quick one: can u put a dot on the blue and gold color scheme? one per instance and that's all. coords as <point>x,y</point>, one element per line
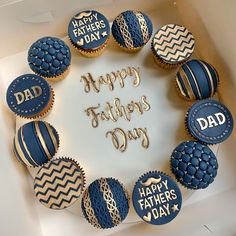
<point>89,32</point>
<point>156,198</point>
<point>194,165</point>
<point>105,203</point>
<point>197,80</point>
<point>35,143</point>
<point>172,45</point>
<point>209,121</point>
<point>59,183</point>
<point>30,96</point>
<point>132,29</point>
<point>49,57</point>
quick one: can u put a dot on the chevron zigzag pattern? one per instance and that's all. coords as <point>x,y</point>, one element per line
<point>173,43</point>
<point>59,184</point>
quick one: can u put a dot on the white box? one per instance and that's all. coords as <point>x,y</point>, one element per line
<point>209,211</point>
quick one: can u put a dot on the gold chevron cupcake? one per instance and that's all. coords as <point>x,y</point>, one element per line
<point>172,45</point>
<point>59,183</point>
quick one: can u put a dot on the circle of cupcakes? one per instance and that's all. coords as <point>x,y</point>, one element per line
<point>194,165</point>
<point>105,203</point>
<point>209,121</point>
<point>132,30</point>
<point>156,198</point>
<point>50,58</point>
<point>35,143</point>
<point>196,80</point>
<point>89,32</point>
<point>30,96</point>
<point>59,183</point>
<point>172,45</point>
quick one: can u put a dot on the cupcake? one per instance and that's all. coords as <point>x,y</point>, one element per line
<point>194,165</point>
<point>172,45</point>
<point>30,96</point>
<point>132,30</point>
<point>105,203</point>
<point>89,32</point>
<point>59,183</point>
<point>35,143</point>
<point>156,198</point>
<point>197,80</point>
<point>209,121</point>
<point>50,58</point>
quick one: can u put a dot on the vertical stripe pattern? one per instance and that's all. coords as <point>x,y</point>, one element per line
<point>197,80</point>
<point>35,143</point>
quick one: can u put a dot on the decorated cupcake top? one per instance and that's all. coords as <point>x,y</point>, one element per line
<point>59,183</point>
<point>209,121</point>
<point>132,29</point>
<point>35,143</point>
<point>28,95</point>
<point>173,43</point>
<point>156,198</point>
<point>197,80</point>
<point>89,30</point>
<point>49,57</point>
<point>194,165</point>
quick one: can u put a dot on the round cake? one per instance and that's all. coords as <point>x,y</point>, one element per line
<point>209,121</point>
<point>50,58</point>
<point>59,183</point>
<point>194,165</point>
<point>156,198</point>
<point>105,203</point>
<point>35,143</point>
<point>132,30</point>
<point>172,45</point>
<point>197,80</point>
<point>89,32</point>
<point>30,96</point>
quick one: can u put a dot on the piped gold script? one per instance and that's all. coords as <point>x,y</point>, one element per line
<point>120,138</point>
<point>117,110</point>
<point>110,78</point>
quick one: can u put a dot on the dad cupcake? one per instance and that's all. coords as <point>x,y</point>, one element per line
<point>30,96</point>
<point>132,30</point>
<point>50,58</point>
<point>89,32</point>
<point>172,45</point>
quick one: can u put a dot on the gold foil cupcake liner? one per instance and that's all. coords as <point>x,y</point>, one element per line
<point>57,78</point>
<point>45,111</point>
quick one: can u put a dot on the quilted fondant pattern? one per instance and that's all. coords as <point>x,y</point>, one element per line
<point>49,57</point>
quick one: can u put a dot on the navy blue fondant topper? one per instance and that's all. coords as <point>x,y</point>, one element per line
<point>89,30</point>
<point>156,198</point>
<point>28,95</point>
<point>209,121</point>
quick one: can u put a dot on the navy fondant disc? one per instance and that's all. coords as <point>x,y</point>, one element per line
<point>88,30</point>
<point>28,95</point>
<point>156,198</point>
<point>209,121</point>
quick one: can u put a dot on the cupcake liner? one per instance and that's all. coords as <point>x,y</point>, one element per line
<point>92,53</point>
<point>45,111</point>
<point>129,50</point>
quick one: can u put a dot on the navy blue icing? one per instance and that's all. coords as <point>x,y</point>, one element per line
<point>99,203</point>
<point>49,57</point>
<point>88,30</point>
<point>156,198</point>
<point>22,99</point>
<point>194,165</point>
<point>30,148</point>
<point>200,75</point>
<point>133,27</point>
<point>209,121</point>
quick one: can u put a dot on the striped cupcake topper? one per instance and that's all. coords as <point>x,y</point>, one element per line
<point>59,183</point>
<point>173,43</point>
<point>197,80</point>
<point>35,143</point>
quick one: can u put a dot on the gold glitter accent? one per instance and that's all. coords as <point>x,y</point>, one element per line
<point>143,26</point>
